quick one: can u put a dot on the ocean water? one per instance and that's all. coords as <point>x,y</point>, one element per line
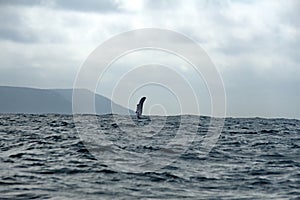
<point>177,157</point>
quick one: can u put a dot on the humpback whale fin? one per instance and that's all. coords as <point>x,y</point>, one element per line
<point>139,108</point>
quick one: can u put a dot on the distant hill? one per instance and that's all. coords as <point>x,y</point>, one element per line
<point>41,101</point>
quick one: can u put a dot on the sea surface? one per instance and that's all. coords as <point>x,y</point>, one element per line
<point>176,157</point>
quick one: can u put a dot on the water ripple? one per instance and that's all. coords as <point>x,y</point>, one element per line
<point>43,157</point>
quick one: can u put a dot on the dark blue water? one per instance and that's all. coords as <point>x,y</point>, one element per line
<point>45,157</point>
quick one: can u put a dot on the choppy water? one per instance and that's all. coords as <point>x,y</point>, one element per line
<point>44,157</point>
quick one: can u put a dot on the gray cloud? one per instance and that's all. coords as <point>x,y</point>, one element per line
<point>255,44</point>
<point>16,35</point>
<point>21,2</point>
<point>161,5</point>
<point>88,6</point>
<point>251,94</point>
<point>75,5</point>
<point>14,28</point>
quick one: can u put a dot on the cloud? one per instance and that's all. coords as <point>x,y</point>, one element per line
<point>20,2</point>
<point>254,44</point>
<point>74,5</point>
<point>90,6</point>
<point>12,26</point>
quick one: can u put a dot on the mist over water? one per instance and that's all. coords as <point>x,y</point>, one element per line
<point>44,157</point>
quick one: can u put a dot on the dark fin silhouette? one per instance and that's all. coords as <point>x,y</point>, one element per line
<point>139,108</point>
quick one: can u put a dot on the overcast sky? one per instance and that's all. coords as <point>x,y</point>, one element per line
<point>255,46</point>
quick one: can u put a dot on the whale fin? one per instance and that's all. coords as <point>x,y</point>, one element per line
<point>139,108</point>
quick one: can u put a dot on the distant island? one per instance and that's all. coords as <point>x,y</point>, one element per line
<point>59,101</point>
